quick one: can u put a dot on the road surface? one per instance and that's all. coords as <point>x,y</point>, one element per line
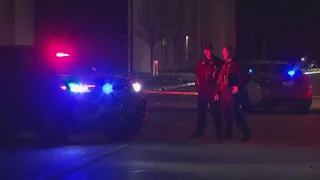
<point>284,146</point>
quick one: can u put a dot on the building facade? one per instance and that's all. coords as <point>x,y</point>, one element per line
<point>205,21</point>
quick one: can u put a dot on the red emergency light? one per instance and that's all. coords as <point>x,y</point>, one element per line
<point>61,54</point>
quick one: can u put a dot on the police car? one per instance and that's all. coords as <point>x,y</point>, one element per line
<point>90,98</point>
<point>278,84</point>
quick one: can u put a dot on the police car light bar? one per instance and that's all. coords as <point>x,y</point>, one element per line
<point>61,54</point>
<point>291,73</point>
<point>77,88</point>
<point>107,88</point>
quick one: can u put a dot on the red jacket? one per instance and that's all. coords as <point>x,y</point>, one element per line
<point>207,72</point>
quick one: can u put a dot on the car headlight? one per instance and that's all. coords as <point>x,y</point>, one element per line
<point>136,86</point>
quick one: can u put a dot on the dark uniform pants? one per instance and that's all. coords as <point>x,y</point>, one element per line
<point>215,109</point>
<point>230,108</point>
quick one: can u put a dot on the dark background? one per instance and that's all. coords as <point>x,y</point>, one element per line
<point>290,28</point>
<point>95,31</point>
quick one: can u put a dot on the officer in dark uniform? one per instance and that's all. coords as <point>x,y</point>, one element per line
<point>229,82</point>
<point>207,71</point>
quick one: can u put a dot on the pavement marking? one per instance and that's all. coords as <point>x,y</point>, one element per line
<point>76,168</point>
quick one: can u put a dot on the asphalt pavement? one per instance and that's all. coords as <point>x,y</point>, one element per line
<point>284,146</point>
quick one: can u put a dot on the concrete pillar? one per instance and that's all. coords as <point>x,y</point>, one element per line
<point>212,21</point>
<point>16,22</point>
<point>220,23</point>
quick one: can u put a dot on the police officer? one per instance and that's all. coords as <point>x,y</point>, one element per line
<point>207,71</point>
<point>229,82</point>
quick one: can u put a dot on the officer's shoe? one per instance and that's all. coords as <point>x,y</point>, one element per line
<point>196,135</point>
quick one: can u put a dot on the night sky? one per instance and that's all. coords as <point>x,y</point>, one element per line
<point>291,29</point>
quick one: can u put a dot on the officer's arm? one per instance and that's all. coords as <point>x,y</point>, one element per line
<point>216,78</point>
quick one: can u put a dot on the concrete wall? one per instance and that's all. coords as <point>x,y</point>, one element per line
<point>218,24</point>
<point>141,55</point>
<point>16,22</point>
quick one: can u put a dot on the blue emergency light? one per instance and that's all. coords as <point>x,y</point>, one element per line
<point>250,71</point>
<point>107,88</point>
<point>291,73</point>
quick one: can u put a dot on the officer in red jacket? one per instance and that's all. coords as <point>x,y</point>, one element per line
<point>207,71</point>
<point>229,82</point>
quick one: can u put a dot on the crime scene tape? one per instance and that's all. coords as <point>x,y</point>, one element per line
<point>170,92</point>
